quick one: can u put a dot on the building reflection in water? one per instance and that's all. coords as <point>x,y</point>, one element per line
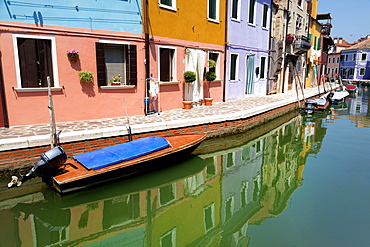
<point>208,200</point>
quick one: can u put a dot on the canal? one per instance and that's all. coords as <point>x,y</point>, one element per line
<point>303,183</point>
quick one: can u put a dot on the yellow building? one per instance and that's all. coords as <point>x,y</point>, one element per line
<point>314,53</point>
<point>184,36</point>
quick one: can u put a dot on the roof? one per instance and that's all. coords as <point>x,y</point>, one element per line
<point>323,17</point>
<point>361,45</point>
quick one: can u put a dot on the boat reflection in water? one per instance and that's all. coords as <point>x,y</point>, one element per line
<point>209,200</point>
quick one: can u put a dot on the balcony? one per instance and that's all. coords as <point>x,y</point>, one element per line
<point>301,44</point>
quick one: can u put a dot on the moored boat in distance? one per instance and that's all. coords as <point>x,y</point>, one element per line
<point>111,163</point>
<point>315,105</point>
<point>338,96</point>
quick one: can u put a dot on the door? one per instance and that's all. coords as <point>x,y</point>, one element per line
<point>195,61</point>
<point>249,81</point>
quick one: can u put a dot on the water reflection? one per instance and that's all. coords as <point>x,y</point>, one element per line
<point>209,200</point>
<point>356,107</point>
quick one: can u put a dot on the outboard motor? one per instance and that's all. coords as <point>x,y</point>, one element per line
<point>45,167</point>
<point>330,96</point>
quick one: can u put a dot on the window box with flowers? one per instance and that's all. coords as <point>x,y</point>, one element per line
<point>115,80</point>
<point>290,38</point>
<point>73,55</point>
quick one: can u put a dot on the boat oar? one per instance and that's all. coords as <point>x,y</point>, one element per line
<point>128,122</point>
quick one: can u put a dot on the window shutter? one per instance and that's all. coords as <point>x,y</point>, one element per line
<point>45,61</point>
<point>100,64</point>
<point>28,62</point>
<point>131,67</point>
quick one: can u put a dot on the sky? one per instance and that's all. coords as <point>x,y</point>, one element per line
<point>350,18</point>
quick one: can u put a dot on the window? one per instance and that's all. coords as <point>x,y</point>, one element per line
<point>35,61</point>
<point>213,6</point>
<point>346,59</point>
<point>363,57</point>
<point>299,3</point>
<point>209,217</point>
<point>354,57</point>
<point>166,64</point>
<point>362,71</point>
<point>168,4</point>
<point>168,239</point>
<point>116,59</point>
<point>215,57</point>
<point>244,194</point>
<point>265,15</point>
<point>167,194</point>
<point>229,208</point>
<point>252,9</point>
<point>299,22</point>
<point>235,9</point>
<point>262,67</point>
<point>234,67</point>
<point>341,58</point>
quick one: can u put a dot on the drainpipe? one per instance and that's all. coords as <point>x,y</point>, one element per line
<point>147,57</point>
<point>285,57</point>
<point>269,56</point>
<point>225,53</point>
<point>2,97</point>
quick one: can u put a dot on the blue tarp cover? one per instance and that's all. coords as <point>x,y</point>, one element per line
<point>126,151</point>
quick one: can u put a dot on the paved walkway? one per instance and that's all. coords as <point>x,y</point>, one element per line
<point>37,135</point>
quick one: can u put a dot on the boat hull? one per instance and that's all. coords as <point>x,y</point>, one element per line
<point>315,106</point>
<point>77,177</point>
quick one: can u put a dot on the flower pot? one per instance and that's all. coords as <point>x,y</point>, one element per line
<point>187,105</point>
<point>208,101</point>
<point>115,83</point>
<point>73,59</point>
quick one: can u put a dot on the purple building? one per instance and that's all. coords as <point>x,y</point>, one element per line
<point>247,48</point>
<point>355,61</point>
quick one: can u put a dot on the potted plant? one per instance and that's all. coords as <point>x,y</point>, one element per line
<point>210,76</point>
<point>189,77</point>
<point>72,55</point>
<point>115,80</point>
<point>86,76</point>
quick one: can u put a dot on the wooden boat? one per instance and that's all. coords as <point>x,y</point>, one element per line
<point>103,165</point>
<point>315,105</point>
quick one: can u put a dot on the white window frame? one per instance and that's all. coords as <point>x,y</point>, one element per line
<point>237,12</point>
<point>53,56</point>
<point>171,232</point>
<point>236,67</point>
<point>174,75</point>
<point>217,11</point>
<point>173,186</point>
<point>362,71</point>
<point>300,6</point>
<point>265,65</point>
<point>212,208</point>
<point>267,16</point>
<point>173,7</point>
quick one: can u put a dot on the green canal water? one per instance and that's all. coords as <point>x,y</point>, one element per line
<point>304,183</point>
